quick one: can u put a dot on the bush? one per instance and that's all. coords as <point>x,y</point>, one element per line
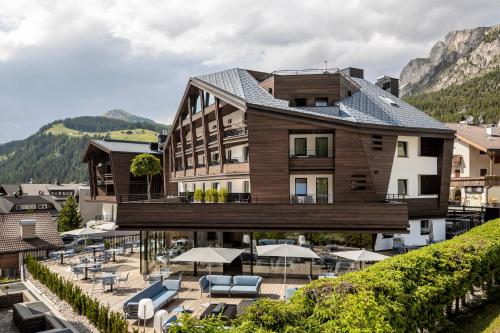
<point>406,293</point>
<point>223,195</point>
<point>211,195</point>
<point>199,195</point>
<point>99,315</point>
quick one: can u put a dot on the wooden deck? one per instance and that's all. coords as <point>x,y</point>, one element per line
<point>189,296</point>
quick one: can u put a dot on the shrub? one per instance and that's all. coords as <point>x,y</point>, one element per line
<point>211,195</point>
<point>223,195</point>
<point>406,293</point>
<point>199,195</point>
<point>99,315</point>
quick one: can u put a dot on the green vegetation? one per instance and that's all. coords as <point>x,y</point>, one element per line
<point>211,195</point>
<point>223,195</point>
<point>477,97</point>
<point>484,318</point>
<point>69,217</point>
<point>100,316</point>
<point>199,195</point>
<point>146,165</point>
<point>54,152</point>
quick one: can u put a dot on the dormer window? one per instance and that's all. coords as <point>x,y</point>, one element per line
<point>301,101</point>
<point>321,102</point>
<point>270,90</point>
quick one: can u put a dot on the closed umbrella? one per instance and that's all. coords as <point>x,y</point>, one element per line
<point>209,255</point>
<point>286,251</point>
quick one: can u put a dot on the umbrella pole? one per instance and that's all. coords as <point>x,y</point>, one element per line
<point>209,284</point>
<point>284,293</point>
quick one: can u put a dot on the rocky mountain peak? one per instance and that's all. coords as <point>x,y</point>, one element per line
<point>462,55</point>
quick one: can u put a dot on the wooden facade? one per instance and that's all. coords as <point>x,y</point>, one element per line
<point>360,165</point>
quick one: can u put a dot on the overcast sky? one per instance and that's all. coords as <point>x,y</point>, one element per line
<point>65,58</point>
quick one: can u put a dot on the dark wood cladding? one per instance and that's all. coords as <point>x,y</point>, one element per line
<point>306,164</point>
<point>120,164</point>
<point>425,208</point>
<point>375,217</point>
<point>444,172</point>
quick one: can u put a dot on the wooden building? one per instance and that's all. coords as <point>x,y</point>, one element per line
<point>298,151</point>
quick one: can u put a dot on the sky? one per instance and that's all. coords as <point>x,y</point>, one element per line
<point>67,58</point>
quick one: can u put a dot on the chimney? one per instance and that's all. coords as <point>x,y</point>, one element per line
<point>353,72</point>
<point>389,84</point>
<point>28,229</point>
<point>492,130</point>
<point>153,146</point>
<point>162,137</point>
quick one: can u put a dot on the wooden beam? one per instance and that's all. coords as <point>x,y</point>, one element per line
<point>193,135</point>
<point>220,128</point>
<point>172,147</point>
<point>183,147</point>
<point>204,124</point>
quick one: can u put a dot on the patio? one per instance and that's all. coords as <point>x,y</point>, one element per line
<point>189,295</point>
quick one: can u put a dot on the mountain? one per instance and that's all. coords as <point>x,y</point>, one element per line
<point>126,116</point>
<point>54,152</point>
<point>463,55</point>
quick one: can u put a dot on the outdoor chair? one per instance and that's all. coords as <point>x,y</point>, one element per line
<point>123,279</point>
<point>107,281</point>
<point>77,271</point>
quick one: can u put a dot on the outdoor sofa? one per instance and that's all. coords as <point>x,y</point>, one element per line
<point>225,284</point>
<point>161,292</point>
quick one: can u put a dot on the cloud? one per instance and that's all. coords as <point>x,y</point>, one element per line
<point>63,58</point>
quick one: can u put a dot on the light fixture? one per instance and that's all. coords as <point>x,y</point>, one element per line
<point>246,239</point>
<point>145,311</point>
<point>302,239</point>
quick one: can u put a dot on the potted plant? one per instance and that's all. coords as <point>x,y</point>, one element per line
<point>211,196</point>
<point>223,195</point>
<point>199,195</point>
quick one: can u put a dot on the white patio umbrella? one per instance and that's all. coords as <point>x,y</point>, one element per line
<point>85,232</point>
<point>209,255</point>
<point>360,255</point>
<point>286,250</point>
<point>107,226</point>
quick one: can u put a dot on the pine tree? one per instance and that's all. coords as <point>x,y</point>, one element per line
<point>69,218</point>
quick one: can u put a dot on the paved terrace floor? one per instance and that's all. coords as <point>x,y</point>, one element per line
<point>189,296</point>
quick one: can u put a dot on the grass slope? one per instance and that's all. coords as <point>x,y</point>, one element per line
<point>138,134</point>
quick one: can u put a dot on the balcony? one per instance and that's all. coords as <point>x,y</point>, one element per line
<point>312,160</point>
<point>237,131</point>
<point>311,199</point>
<point>475,181</point>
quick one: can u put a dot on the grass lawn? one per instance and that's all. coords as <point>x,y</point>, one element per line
<point>483,319</point>
<point>138,134</point>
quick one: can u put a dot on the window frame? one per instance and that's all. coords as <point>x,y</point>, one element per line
<point>427,230</point>
<point>316,143</point>
<point>405,181</point>
<point>295,151</point>
<point>405,145</point>
<point>319,100</point>
<point>295,188</point>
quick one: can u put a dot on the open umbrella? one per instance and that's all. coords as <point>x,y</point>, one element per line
<point>209,255</point>
<point>360,255</point>
<point>85,232</point>
<point>286,251</point>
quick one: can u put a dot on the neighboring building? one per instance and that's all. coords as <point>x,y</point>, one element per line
<point>89,209</point>
<point>110,178</point>
<point>22,234</point>
<point>26,203</point>
<point>299,152</point>
<point>475,165</point>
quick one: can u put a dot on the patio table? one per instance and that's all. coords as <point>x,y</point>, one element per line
<point>114,251</point>
<point>227,313</point>
<point>86,270</point>
<point>109,275</point>
<point>61,254</point>
<point>94,249</point>
<point>162,274</point>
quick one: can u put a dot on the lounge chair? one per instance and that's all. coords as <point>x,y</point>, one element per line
<point>160,292</point>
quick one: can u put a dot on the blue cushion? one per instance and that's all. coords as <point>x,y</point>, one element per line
<point>246,280</point>
<point>172,284</point>
<point>220,289</point>
<point>220,280</point>
<point>244,290</point>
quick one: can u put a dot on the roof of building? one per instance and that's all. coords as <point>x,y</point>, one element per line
<point>26,199</point>
<point>369,105</point>
<point>476,135</point>
<point>126,146</point>
<point>10,233</point>
<point>10,188</point>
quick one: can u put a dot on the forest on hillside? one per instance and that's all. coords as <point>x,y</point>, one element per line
<point>479,97</point>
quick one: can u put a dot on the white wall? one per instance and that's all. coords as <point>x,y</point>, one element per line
<point>473,160</point>
<point>311,184</point>
<point>411,168</point>
<point>414,237</point>
<point>109,209</point>
<point>461,148</point>
<point>237,184</point>
<point>311,142</point>
<point>493,194</point>
<point>237,152</point>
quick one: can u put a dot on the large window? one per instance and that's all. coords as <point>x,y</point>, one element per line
<point>321,147</point>
<point>429,184</point>
<point>321,101</point>
<point>322,190</point>
<point>300,101</point>
<point>301,186</point>
<point>208,99</point>
<point>246,186</point>
<point>402,149</point>
<point>230,187</point>
<point>403,186</point>
<point>300,147</point>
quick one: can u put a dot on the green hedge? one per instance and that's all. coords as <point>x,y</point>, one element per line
<point>99,315</point>
<point>406,293</point>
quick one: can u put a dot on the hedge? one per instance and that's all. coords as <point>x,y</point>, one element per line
<point>412,292</point>
<point>99,315</point>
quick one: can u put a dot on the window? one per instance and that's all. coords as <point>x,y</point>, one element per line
<point>229,154</point>
<point>214,126</point>
<point>300,186</point>
<point>482,152</point>
<point>270,90</point>
<point>403,186</point>
<point>483,172</point>
<point>209,99</point>
<point>457,173</point>
<point>321,147</point>
<point>215,186</point>
<point>203,187</point>
<point>402,149</point>
<point>321,101</point>
<point>301,101</point>
<point>322,190</point>
<point>246,186</point>
<point>385,236</point>
<point>195,104</point>
<point>425,227</point>
<point>229,121</point>
<point>429,184</point>
<point>42,206</point>
<point>194,187</point>
<point>300,147</point>
<point>230,187</point>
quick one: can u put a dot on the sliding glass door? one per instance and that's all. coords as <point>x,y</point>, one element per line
<point>322,190</point>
